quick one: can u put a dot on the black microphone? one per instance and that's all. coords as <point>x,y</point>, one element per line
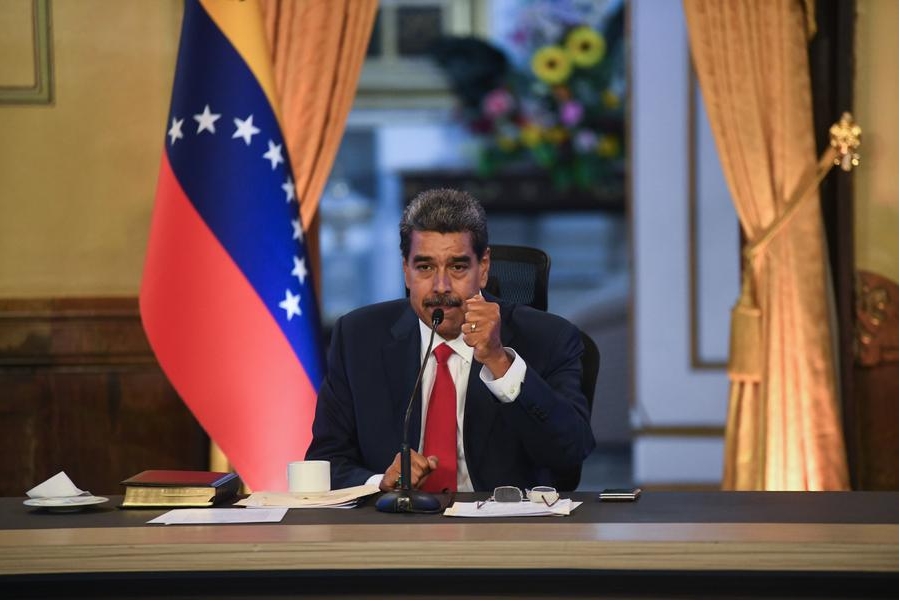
<point>406,500</point>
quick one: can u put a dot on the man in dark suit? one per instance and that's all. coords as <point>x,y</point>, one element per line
<point>520,412</point>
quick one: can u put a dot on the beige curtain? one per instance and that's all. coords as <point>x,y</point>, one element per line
<point>784,428</point>
<point>318,48</point>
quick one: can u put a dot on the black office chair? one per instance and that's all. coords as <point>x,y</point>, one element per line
<point>522,274</point>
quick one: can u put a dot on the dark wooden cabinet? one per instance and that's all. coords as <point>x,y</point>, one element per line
<point>81,392</point>
<point>875,376</point>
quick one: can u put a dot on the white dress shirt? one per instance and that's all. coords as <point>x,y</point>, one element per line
<point>506,389</point>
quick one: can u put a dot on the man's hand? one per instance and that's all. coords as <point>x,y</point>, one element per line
<point>481,331</point>
<point>419,468</point>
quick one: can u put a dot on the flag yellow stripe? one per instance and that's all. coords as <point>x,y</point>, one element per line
<point>242,24</point>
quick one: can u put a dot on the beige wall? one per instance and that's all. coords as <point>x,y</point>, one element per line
<point>77,177</point>
<point>876,109</point>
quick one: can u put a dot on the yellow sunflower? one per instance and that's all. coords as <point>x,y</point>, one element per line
<point>551,64</point>
<point>531,135</point>
<point>585,46</point>
<point>608,146</point>
<point>506,143</point>
<point>556,135</point>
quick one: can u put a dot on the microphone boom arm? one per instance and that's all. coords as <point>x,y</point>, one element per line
<point>406,500</point>
<point>405,468</point>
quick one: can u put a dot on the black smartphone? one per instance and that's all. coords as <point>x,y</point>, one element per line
<point>619,494</point>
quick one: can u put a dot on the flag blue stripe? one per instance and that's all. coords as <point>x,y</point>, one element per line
<point>233,187</point>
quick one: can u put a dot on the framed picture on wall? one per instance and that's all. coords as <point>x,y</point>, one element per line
<point>26,76</point>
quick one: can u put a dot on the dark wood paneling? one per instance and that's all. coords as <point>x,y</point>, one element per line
<point>80,391</point>
<point>876,383</point>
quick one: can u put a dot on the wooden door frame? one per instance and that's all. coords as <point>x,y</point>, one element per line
<point>832,69</point>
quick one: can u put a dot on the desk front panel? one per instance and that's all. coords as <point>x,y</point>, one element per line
<point>777,532</point>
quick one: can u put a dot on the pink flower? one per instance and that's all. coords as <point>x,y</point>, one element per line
<point>570,112</point>
<point>497,103</point>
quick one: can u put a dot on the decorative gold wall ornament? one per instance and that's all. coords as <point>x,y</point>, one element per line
<point>845,135</point>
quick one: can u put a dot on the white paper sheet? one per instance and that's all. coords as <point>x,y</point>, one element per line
<point>220,515</point>
<point>492,509</point>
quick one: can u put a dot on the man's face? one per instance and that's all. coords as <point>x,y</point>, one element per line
<point>442,271</point>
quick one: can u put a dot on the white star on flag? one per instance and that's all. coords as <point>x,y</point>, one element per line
<point>298,231</point>
<point>291,304</point>
<point>175,130</point>
<point>274,154</point>
<point>206,121</point>
<point>289,191</point>
<point>245,129</point>
<point>299,269</point>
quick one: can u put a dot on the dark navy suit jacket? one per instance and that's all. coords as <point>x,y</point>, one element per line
<point>373,360</point>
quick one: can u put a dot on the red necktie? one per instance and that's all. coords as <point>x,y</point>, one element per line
<point>440,425</point>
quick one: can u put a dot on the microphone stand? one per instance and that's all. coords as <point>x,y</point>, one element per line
<point>405,499</point>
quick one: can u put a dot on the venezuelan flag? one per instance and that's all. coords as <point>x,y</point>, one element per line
<point>226,296</point>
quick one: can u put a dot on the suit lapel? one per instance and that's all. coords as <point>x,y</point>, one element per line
<point>481,411</point>
<point>400,361</point>
<point>482,408</point>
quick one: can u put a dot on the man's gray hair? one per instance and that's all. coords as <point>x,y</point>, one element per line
<point>445,211</point>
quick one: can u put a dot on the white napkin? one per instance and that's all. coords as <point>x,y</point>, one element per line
<point>58,486</point>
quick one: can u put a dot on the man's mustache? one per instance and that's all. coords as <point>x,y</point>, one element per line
<point>443,300</point>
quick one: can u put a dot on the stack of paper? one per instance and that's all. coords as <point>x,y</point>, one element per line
<point>344,497</point>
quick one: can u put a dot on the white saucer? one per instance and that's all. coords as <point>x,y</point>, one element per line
<point>65,503</point>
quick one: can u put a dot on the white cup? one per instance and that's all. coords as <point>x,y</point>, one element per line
<point>309,476</point>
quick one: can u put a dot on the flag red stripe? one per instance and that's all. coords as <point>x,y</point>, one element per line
<point>204,320</point>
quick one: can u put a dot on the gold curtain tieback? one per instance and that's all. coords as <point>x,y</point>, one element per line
<point>745,346</point>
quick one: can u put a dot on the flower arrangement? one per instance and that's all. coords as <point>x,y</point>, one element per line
<point>553,98</point>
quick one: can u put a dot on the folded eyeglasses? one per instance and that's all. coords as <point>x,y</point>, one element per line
<point>514,494</point>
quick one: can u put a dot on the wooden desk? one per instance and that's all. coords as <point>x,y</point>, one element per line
<point>833,543</point>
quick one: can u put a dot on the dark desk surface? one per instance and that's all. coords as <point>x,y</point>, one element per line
<point>781,544</point>
<point>651,507</point>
